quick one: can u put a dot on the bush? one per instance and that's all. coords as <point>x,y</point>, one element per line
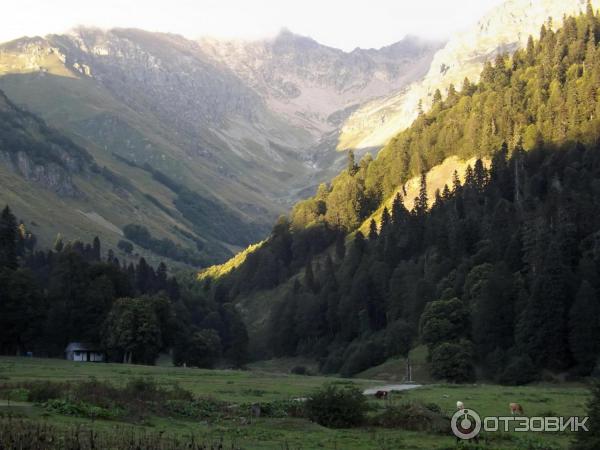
<point>300,370</point>
<point>337,406</point>
<point>520,370</point>
<point>413,416</point>
<point>81,409</point>
<point>42,392</point>
<point>453,362</point>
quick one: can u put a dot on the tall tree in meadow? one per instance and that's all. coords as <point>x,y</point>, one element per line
<point>133,330</point>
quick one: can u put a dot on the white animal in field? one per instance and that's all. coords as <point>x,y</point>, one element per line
<point>460,405</point>
<point>516,408</point>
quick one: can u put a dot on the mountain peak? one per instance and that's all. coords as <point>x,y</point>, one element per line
<point>285,37</point>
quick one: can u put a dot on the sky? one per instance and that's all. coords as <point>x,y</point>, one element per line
<point>344,24</point>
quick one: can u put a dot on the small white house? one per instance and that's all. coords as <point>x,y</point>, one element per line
<point>83,351</point>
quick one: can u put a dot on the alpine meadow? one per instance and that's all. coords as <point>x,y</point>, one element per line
<point>216,241</point>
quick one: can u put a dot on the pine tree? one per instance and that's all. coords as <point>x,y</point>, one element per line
<point>373,235</point>
<point>8,239</point>
<point>456,184</point>
<point>399,212</point>
<point>421,202</point>
<point>542,328</point>
<point>58,243</point>
<point>96,252</point>
<point>309,278</point>
<point>584,328</point>
<point>340,246</point>
<point>351,165</point>
<point>386,220</point>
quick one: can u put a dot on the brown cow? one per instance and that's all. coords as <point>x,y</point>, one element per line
<point>515,408</point>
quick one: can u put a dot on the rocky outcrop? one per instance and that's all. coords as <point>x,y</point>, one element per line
<point>503,29</point>
<point>50,175</point>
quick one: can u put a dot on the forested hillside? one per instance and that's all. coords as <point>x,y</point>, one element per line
<point>498,272</point>
<point>133,312</point>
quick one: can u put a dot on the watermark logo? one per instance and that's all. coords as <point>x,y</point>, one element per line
<point>467,424</point>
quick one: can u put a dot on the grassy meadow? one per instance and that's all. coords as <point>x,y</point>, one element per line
<point>236,390</point>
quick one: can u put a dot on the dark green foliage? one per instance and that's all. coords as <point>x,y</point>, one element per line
<point>541,331</point>
<point>72,294</point>
<point>299,370</point>
<point>126,246</point>
<point>163,247</point>
<point>21,131</point>
<point>208,215</point>
<point>201,349</point>
<point>443,321</point>
<point>584,327</point>
<point>453,362</point>
<point>337,406</point>
<point>133,329</point>
<point>399,337</point>
<point>8,239</point>
<point>590,440</point>
<point>520,370</point>
<point>361,356</point>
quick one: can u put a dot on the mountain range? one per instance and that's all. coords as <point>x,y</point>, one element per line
<point>205,132</point>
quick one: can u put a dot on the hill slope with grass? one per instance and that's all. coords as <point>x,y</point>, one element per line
<point>208,160</point>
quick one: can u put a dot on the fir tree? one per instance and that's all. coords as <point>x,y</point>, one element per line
<point>8,239</point>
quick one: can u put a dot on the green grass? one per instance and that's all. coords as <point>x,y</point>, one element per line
<point>261,385</point>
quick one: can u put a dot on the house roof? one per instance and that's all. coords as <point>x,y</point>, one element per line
<point>81,346</point>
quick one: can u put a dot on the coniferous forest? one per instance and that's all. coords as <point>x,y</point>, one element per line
<point>497,275</point>
<point>134,312</point>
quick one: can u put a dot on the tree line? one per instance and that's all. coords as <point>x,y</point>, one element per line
<point>133,311</point>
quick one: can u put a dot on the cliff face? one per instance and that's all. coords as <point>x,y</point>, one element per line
<point>503,29</point>
<point>313,85</point>
<point>34,151</point>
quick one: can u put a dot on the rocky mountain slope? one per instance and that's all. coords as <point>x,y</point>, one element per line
<point>235,125</point>
<point>315,86</point>
<point>503,29</point>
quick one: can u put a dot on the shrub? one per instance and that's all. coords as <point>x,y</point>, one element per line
<point>81,409</point>
<point>337,406</point>
<point>413,416</point>
<point>300,370</point>
<point>42,392</point>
